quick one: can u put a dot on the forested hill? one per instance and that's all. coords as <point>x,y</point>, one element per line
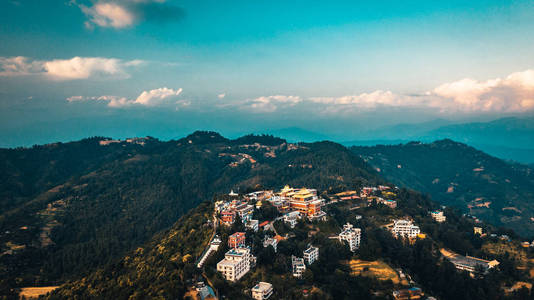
<point>453,173</point>
<point>69,208</point>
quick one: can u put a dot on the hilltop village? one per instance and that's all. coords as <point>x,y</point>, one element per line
<point>293,226</point>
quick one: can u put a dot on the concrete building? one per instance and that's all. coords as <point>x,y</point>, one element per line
<point>237,240</point>
<point>253,225</point>
<point>438,216</point>
<point>311,254</point>
<point>262,291</point>
<point>270,242</point>
<point>236,264</point>
<point>244,211</point>
<point>351,235</point>
<point>228,217</point>
<point>469,263</point>
<point>291,218</point>
<point>298,266</point>
<point>405,228</point>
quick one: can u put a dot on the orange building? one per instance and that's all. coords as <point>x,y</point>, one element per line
<point>306,202</point>
<point>228,217</point>
<point>236,240</point>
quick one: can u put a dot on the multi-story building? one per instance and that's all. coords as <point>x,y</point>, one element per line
<point>311,254</point>
<point>228,217</point>
<point>298,266</point>
<point>245,212</point>
<point>262,291</point>
<point>236,264</point>
<point>438,216</point>
<point>351,235</point>
<point>236,240</point>
<point>270,242</point>
<point>253,225</point>
<point>307,203</point>
<point>291,218</point>
<point>405,228</point>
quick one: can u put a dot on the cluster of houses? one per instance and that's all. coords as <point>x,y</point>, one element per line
<point>230,210</point>
<point>294,203</point>
<point>377,194</point>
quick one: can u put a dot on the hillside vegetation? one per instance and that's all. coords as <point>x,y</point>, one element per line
<point>455,174</point>
<point>70,208</point>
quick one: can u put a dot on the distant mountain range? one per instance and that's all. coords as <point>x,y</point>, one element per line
<point>459,175</point>
<point>507,138</point>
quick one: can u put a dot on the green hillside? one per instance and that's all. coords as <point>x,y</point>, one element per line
<point>455,174</point>
<point>81,205</point>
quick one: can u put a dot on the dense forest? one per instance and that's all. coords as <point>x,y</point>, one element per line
<point>68,209</point>
<point>496,191</point>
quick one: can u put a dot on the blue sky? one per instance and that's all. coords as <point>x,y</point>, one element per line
<point>174,66</point>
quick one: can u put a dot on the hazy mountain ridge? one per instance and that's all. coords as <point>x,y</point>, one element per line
<point>456,174</point>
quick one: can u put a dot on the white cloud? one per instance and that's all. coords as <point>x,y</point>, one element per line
<point>120,14</point>
<point>108,14</point>
<point>75,98</point>
<point>67,69</point>
<point>268,104</point>
<point>19,66</point>
<point>367,100</point>
<point>156,97</point>
<point>515,93</point>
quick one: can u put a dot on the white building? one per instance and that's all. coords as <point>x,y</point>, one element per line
<point>298,266</point>
<point>270,242</point>
<point>253,225</point>
<point>236,264</point>
<point>291,218</point>
<point>351,235</point>
<point>262,291</point>
<point>311,254</point>
<point>438,216</point>
<point>405,228</point>
<point>245,212</point>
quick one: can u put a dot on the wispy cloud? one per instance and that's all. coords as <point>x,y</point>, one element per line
<point>152,98</point>
<point>67,69</point>
<point>121,14</point>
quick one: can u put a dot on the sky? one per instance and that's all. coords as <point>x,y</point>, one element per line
<point>76,68</point>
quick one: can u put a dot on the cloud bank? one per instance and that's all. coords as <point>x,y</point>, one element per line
<point>119,14</point>
<point>512,94</point>
<point>152,98</point>
<point>67,69</point>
